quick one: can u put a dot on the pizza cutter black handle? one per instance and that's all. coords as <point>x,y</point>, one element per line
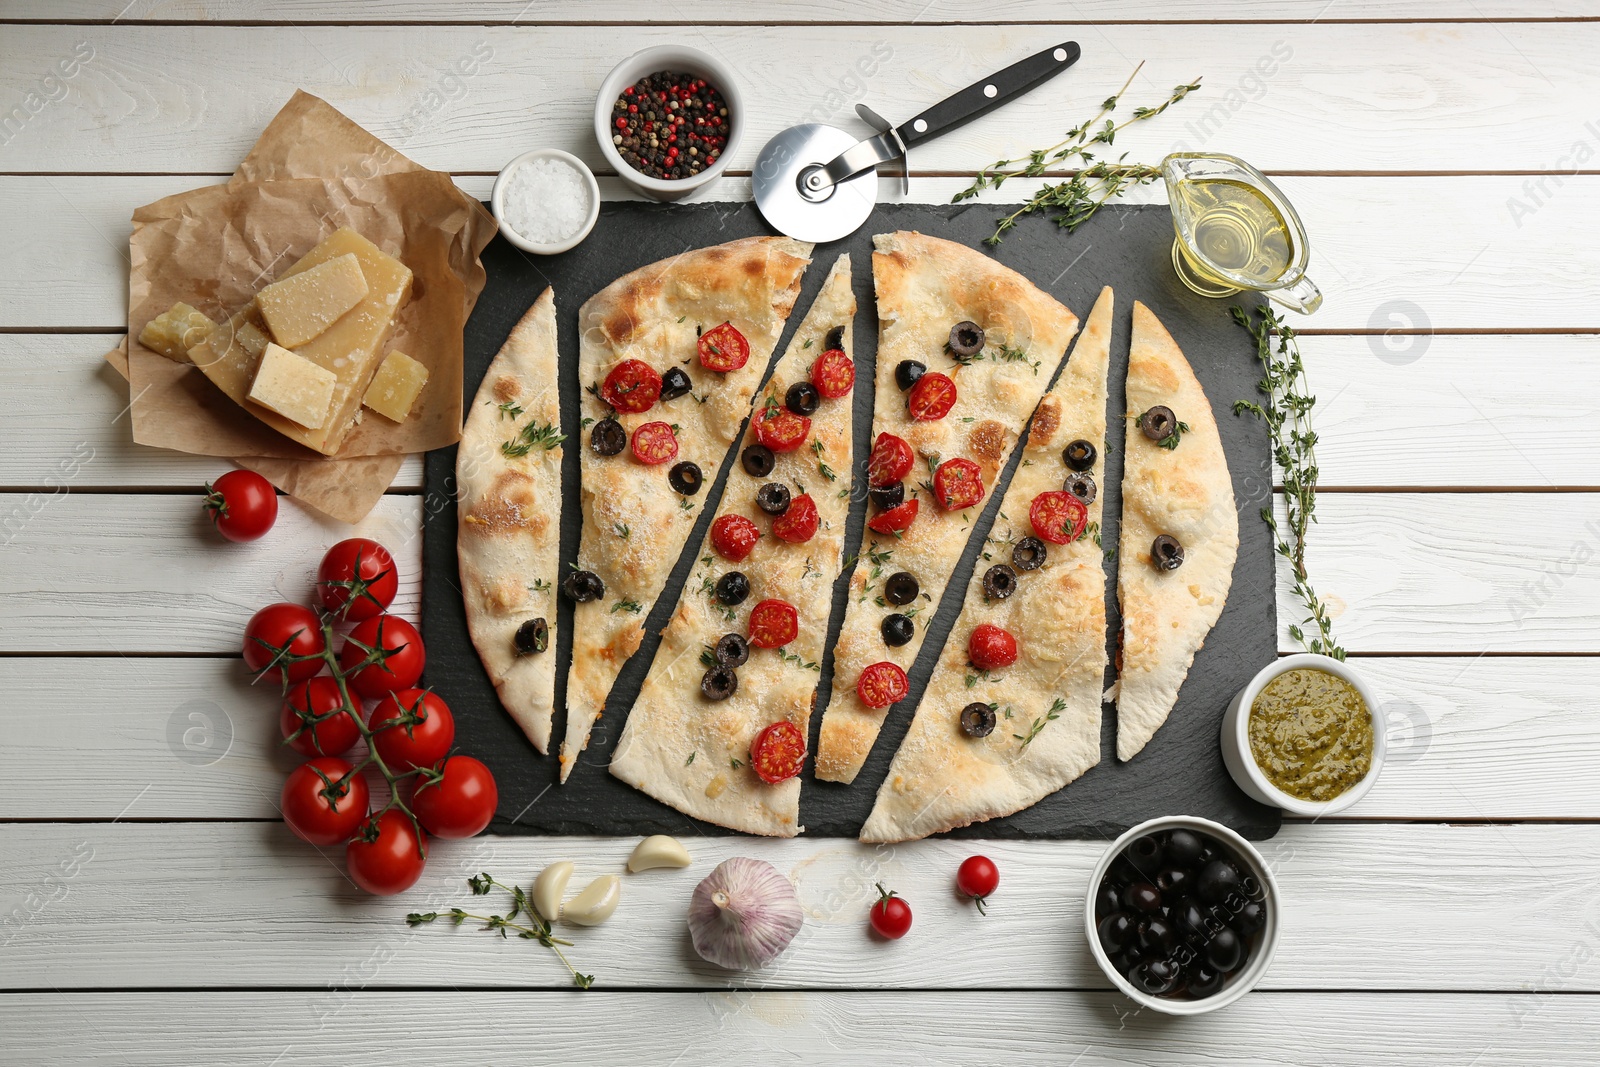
<point>984,96</point>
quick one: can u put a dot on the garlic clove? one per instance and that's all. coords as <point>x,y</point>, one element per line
<point>743,914</point>
<point>549,888</point>
<point>658,850</point>
<point>595,904</point>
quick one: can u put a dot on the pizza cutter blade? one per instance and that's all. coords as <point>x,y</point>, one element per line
<point>819,183</point>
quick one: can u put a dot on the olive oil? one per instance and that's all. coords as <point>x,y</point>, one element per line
<point>1237,235</point>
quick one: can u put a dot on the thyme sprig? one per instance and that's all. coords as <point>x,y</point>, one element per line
<point>533,928</point>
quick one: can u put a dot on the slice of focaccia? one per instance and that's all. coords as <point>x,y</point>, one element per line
<point>669,358</point>
<point>987,742</point>
<point>1180,531</point>
<point>965,350</point>
<point>719,729</point>
<point>508,477</point>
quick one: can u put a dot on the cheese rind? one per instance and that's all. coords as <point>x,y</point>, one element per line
<point>293,386</point>
<point>396,386</point>
<point>176,330</point>
<point>301,307</point>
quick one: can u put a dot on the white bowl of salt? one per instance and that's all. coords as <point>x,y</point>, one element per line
<point>546,201</point>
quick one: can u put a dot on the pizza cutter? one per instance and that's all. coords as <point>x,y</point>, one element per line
<point>819,183</point>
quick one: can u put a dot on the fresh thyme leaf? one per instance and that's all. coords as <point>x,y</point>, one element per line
<point>622,530</point>
<point>510,409</point>
<point>1170,441</point>
<point>1040,723</point>
<point>541,586</point>
<point>685,504</point>
<point>690,760</point>
<point>625,604</point>
<point>789,657</point>
<point>534,929</point>
<point>534,435</point>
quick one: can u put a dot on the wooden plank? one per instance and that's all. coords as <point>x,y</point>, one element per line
<point>1366,907</point>
<point>83,572</point>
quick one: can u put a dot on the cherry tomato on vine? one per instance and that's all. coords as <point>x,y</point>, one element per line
<point>386,857</point>
<point>891,916</point>
<point>412,728</point>
<point>357,579</point>
<point>403,656</point>
<point>277,632</point>
<point>460,803</point>
<point>977,877</point>
<point>321,805</point>
<point>242,505</point>
<point>330,737</point>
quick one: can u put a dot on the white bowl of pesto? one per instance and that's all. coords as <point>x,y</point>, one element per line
<point>1295,738</point>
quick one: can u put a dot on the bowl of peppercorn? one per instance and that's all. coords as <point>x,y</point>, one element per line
<point>668,119</point>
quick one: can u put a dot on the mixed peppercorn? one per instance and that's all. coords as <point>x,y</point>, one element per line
<point>670,125</point>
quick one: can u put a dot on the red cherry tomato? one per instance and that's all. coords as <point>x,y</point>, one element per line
<point>958,484</point>
<point>654,443</point>
<point>781,429</point>
<point>798,524</point>
<point>387,856</point>
<point>897,519</point>
<point>459,804</point>
<point>977,877</point>
<point>778,752</point>
<point>890,460</point>
<point>242,505</point>
<point>357,579</point>
<point>891,916</point>
<point>632,386</point>
<point>412,728</point>
<point>734,536</point>
<point>882,684</point>
<point>991,647</point>
<point>723,348</point>
<point>1058,517</point>
<point>402,662</point>
<point>321,805</point>
<point>773,624</point>
<point>330,737</point>
<point>932,397</point>
<point>833,374</point>
<point>277,632</point>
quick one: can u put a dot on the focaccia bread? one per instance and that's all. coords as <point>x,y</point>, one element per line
<point>925,288</point>
<point>508,479</point>
<point>984,743</point>
<point>685,742</point>
<point>674,317</point>
<point>1176,487</point>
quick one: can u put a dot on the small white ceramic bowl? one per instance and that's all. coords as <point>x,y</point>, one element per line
<point>1266,942</point>
<point>675,58</point>
<point>1236,739</point>
<point>497,201</point>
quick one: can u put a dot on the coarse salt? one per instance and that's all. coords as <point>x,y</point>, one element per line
<point>546,201</point>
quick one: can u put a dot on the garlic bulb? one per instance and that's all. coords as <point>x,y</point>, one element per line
<point>743,914</point>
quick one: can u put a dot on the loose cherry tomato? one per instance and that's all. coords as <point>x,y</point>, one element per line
<point>654,443</point>
<point>897,519</point>
<point>778,752</point>
<point>734,536</point>
<point>632,386</point>
<point>242,505</point>
<point>833,374</point>
<point>401,656</point>
<point>386,857</point>
<point>773,624</point>
<point>890,460</point>
<point>991,647</point>
<point>460,803</point>
<point>932,397</point>
<point>882,684</point>
<point>1058,517</point>
<point>357,579</point>
<point>723,348</point>
<point>781,429</point>
<point>277,632</point>
<point>977,877</point>
<point>321,805</point>
<point>412,728</point>
<point>798,524</point>
<point>891,916</point>
<point>330,737</point>
<point>958,484</point>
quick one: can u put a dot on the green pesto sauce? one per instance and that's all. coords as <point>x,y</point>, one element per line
<point>1311,734</point>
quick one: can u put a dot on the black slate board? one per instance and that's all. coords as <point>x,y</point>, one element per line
<point>1180,771</point>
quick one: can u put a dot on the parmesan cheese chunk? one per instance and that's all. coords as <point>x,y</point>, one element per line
<point>176,330</point>
<point>293,386</point>
<point>395,387</point>
<point>301,307</point>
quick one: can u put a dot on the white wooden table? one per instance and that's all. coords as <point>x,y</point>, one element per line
<point>154,910</point>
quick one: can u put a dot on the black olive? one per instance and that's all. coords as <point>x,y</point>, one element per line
<point>1157,935</point>
<point>720,682</point>
<point>907,372</point>
<point>1154,977</point>
<point>685,478</point>
<point>888,496</point>
<point>1225,951</point>
<point>1146,854</point>
<point>674,383</point>
<point>1175,880</point>
<point>1128,959</point>
<point>733,587</point>
<point>977,719</point>
<point>1080,455</point>
<point>966,340</point>
<point>758,461</point>
<point>583,586</point>
<point>901,588</point>
<point>1250,918</point>
<point>1082,486</point>
<point>1166,554</point>
<point>1183,848</point>
<point>1028,554</point>
<point>732,650</point>
<point>999,582</point>
<point>897,630</point>
<point>1192,917</point>
<point>1158,423</point>
<point>531,636</point>
<point>1107,900</point>
<point>608,437</point>
<point>1204,982</point>
<point>1115,931</point>
<point>773,498</point>
<point>1142,896</point>
<point>1217,881</point>
<point>802,398</point>
<point>835,340</point>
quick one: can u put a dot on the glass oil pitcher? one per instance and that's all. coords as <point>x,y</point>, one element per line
<point>1236,230</point>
